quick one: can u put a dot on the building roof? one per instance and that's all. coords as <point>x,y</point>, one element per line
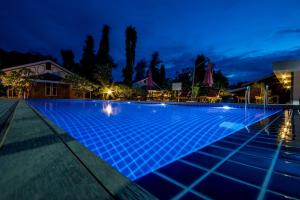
<point>38,63</point>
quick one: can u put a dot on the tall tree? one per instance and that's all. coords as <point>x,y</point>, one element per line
<point>68,60</point>
<point>104,62</point>
<point>199,69</point>
<point>88,58</point>
<point>130,43</point>
<point>162,75</point>
<point>140,70</point>
<point>220,80</point>
<point>154,66</point>
<point>185,77</point>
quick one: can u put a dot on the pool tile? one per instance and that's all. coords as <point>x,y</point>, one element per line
<point>285,184</point>
<point>226,145</point>
<point>257,151</point>
<point>191,196</point>
<point>252,160</point>
<point>181,172</point>
<point>273,196</point>
<point>242,172</point>
<point>201,160</point>
<point>218,187</point>
<point>158,186</point>
<point>289,167</point>
<point>215,151</point>
<point>263,145</point>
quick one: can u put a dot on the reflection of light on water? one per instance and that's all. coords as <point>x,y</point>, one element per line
<point>163,104</point>
<point>225,107</point>
<point>232,125</point>
<point>109,110</point>
<point>128,102</point>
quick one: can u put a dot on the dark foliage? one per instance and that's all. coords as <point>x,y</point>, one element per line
<point>68,61</point>
<point>162,76</point>
<point>87,61</point>
<point>220,81</point>
<point>104,62</point>
<point>185,77</point>
<point>140,70</point>
<point>130,43</point>
<point>155,61</point>
<point>13,58</point>
<point>199,69</point>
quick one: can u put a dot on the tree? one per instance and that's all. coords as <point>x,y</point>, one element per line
<point>199,69</point>
<point>185,77</point>
<point>220,81</point>
<point>19,81</point>
<point>153,66</point>
<point>130,43</point>
<point>88,58</point>
<point>140,70</point>
<point>81,85</point>
<point>104,62</point>
<point>162,75</point>
<point>68,60</point>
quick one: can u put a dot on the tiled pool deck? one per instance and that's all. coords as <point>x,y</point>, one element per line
<point>258,163</point>
<point>40,161</point>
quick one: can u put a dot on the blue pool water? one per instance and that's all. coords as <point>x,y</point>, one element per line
<point>138,138</point>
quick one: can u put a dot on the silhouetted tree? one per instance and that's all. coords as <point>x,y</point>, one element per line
<point>68,60</point>
<point>104,62</point>
<point>140,70</point>
<point>220,81</point>
<point>13,58</point>
<point>155,61</point>
<point>199,69</point>
<point>88,58</point>
<point>162,75</point>
<point>131,38</point>
<point>185,77</point>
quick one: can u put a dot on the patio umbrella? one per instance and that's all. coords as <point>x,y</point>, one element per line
<point>208,78</point>
<point>149,81</point>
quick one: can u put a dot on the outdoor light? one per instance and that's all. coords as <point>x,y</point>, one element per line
<point>109,92</point>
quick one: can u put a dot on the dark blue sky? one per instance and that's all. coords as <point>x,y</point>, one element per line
<point>242,37</point>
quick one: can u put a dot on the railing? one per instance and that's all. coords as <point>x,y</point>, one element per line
<point>247,96</point>
<point>266,99</point>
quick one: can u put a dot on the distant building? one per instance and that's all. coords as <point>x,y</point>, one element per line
<point>48,80</point>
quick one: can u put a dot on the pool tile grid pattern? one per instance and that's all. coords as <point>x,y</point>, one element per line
<point>142,137</point>
<point>250,164</point>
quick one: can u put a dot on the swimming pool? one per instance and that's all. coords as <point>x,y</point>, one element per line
<point>138,138</point>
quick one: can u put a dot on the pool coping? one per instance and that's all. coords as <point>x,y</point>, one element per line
<point>109,180</point>
<point>113,181</point>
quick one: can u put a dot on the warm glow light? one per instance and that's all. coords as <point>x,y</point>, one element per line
<point>109,92</point>
<point>285,81</point>
<point>283,76</point>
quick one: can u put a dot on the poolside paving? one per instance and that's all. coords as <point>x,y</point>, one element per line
<point>261,162</point>
<point>40,161</point>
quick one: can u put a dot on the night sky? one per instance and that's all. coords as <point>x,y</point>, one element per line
<point>242,37</point>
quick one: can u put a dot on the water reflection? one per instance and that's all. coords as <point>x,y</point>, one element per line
<point>286,130</point>
<point>109,110</point>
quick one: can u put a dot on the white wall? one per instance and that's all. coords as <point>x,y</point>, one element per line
<point>296,88</point>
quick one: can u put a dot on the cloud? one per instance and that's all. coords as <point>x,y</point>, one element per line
<point>244,67</point>
<point>289,31</point>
